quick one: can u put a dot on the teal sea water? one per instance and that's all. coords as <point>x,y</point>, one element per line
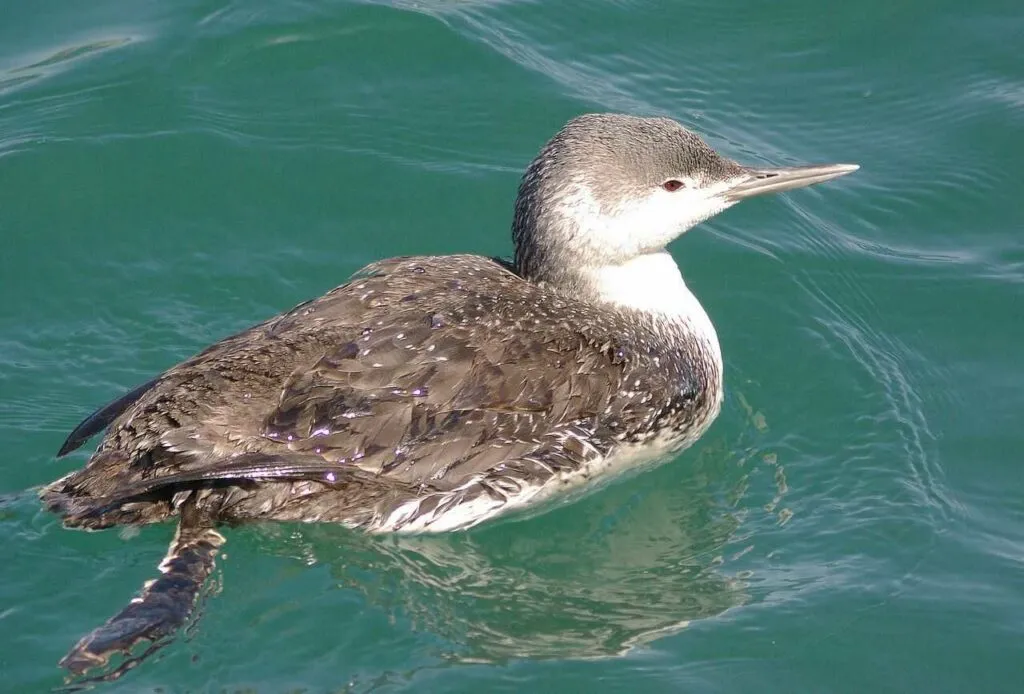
<point>854,520</point>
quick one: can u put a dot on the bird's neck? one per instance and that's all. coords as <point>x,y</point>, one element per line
<point>651,284</point>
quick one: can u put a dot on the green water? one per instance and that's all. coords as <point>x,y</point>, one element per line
<point>171,172</point>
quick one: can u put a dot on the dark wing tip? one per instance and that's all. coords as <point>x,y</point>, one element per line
<point>99,419</point>
<point>73,441</point>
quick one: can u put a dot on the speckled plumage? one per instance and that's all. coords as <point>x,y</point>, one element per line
<point>428,391</point>
<point>433,393</point>
<point>421,377</point>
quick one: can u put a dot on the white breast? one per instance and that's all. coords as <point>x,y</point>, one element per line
<point>652,284</point>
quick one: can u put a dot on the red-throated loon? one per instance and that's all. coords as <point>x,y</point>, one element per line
<point>433,393</point>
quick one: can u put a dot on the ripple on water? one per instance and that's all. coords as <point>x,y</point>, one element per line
<point>648,570</point>
<point>59,60</point>
<point>31,107</point>
<point>363,110</point>
<point>851,323</point>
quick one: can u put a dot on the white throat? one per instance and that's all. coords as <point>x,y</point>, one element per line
<point>650,283</point>
<point>653,284</point>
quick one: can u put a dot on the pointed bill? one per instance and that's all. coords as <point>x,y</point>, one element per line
<point>760,181</point>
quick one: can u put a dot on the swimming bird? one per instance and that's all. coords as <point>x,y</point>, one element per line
<point>430,394</point>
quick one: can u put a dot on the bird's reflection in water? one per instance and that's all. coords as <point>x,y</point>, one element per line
<point>590,579</point>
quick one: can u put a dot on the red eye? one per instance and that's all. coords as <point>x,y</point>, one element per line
<point>672,185</point>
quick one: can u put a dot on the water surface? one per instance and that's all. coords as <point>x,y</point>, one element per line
<point>173,172</point>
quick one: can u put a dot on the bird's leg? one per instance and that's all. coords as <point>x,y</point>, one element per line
<point>163,605</point>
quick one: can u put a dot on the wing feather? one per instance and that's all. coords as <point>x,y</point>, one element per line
<point>408,375</point>
<point>98,420</point>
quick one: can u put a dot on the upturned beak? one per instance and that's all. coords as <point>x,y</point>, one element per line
<point>760,181</point>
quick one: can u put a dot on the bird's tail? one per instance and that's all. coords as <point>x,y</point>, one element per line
<point>161,608</point>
